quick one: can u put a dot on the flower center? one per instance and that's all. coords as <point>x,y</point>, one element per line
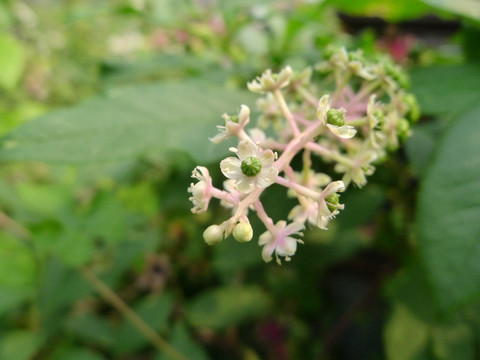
<point>251,166</point>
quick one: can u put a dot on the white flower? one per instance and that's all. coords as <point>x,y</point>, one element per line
<point>307,210</point>
<point>328,204</point>
<point>279,241</point>
<point>251,169</point>
<point>359,167</point>
<point>201,191</point>
<point>233,125</point>
<point>270,82</point>
<point>334,119</point>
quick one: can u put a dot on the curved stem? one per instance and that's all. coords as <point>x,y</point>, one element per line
<point>110,296</point>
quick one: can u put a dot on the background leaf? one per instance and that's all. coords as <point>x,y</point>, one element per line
<point>449,204</point>
<point>127,123</point>
<point>12,61</point>
<point>446,90</point>
<point>223,307</point>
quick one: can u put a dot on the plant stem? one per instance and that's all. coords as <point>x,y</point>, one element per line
<point>286,112</point>
<point>111,297</point>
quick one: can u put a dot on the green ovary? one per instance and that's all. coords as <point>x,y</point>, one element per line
<point>251,166</point>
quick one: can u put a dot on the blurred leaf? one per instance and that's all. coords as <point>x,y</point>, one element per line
<point>470,39</point>
<point>391,10</point>
<point>127,123</point>
<point>72,353</point>
<point>12,61</point>
<point>107,220</point>
<point>181,340</point>
<point>223,307</point>
<point>43,199</point>
<point>60,286</point>
<point>454,341</point>
<point>411,288</point>
<point>253,39</point>
<point>446,90</point>
<point>155,310</point>
<point>447,215</point>
<point>231,256</point>
<point>91,328</point>
<point>139,198</point>
<point>468,8</point>
<point>160,67</point>
<point>405,335</point>
<point>421,145</point>
<point>361,206</point>
<point>74,248</point>
<point>19,345</point>
<point>17,264</point>
<point>12,297</point>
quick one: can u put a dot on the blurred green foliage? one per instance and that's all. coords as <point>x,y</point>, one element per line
<point>395,277</point>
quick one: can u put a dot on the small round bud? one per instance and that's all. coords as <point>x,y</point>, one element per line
<point>243,232</point>
<point>336,117</point>
<point>403,128</point>
<point>213,235</point>
<point>413,113</point>
<point>251,166</point>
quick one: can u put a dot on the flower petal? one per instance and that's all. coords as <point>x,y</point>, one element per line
<point>245,184</point>
<point>266,177</point>
<point>231,168</point>
<point>267,158</point>
<point>246,149</point>
<point>345,131</point>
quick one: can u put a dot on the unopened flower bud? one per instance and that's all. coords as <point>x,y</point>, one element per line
<point>413,113</point>
<point>213,235</point>
<point>403,128</point>
<point>336,117</point>
<point>243,232</point>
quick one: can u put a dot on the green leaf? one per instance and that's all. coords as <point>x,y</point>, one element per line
<point>127,123</point>
<point>19,345</point>
<point>182,341</point>
<point>468,8</point>
<point>421,145</point>
<point>60,286</point>
<point>446,90</point>
<point>12,61</point>
<point>70,352</point>
<point>455,341</point>
<point>405,335</point>
<point>90,327</point>
<point>12,297</point>
<point>447,215</point>
<point>223,307</point>
<point>17,264</point>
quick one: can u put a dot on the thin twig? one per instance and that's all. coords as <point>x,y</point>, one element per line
<point>110,296</point>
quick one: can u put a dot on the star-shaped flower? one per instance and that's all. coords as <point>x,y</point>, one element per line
<point>252,169</point>
<point>280,241</point>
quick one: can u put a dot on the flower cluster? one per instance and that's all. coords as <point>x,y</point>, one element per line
<point>352,124</point>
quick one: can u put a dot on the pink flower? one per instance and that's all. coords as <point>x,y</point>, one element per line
<point>201,191</point>
<point>280,241</point>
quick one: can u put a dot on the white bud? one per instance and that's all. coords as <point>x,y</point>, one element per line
<point>198,190</point>
<point>213,235</point>
<point>243,232</point>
